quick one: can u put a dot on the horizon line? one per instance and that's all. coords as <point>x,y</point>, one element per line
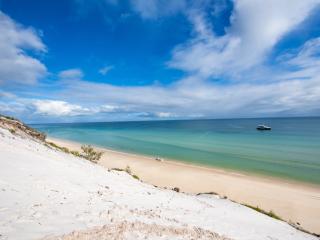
<point>168,120</point>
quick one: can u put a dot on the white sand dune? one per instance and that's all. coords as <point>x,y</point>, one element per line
<point>295,202</point>
<point>45,193</point>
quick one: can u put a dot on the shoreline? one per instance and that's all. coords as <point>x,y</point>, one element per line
<point>47,193</point>
<point>296,202</point>
<point>74,145</point>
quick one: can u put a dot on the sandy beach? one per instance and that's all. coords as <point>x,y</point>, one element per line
<point>295,202</point>
<point>160,120</point>
<point>50,194</point>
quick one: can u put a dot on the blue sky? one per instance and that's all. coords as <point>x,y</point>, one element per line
<point>113,60</point>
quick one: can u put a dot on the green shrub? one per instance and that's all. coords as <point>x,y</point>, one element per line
<point>13,131</point>
<point>8,117</point>
<point>53,145</point>
<point>64,149</point>
<point>75,153</point>
<point>128,170</point>
<point>270,213</point>
<point>90,154</point>
<point>135,176</point>
<point>117,169</point>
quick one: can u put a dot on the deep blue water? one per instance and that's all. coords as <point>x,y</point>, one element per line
<point>290,150</point>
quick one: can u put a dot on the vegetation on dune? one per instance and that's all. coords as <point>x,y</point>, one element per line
<point>118,169</point>
<point>63,149</point>
<point>8,117</point>
<point>75,153</point>
<point>88,152</point>
<point>127,170</point>
<point>210,193</point>
<point>273,215</point>
<point>176,189</point>
<point>135,177</point>
<point>15,126</point>
<point>270,213</point>
<point>12,131</point>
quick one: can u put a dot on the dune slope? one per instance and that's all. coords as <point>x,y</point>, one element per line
<point>47,194</point>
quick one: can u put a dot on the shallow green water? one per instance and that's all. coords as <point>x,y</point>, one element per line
<point>290,150</point>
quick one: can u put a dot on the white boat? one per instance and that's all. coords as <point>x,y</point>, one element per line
<point>263,127</point>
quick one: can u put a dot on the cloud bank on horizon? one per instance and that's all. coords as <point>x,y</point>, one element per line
<point>136,60</point>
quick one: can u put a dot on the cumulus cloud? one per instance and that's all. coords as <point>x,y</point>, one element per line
<point>189,99</point>
<point>296,92</point>
<point>58,108</point>
<point>74,73</point>
<point>16,65</point>
<point>256,26</point>
<point>181,100</point>
<point>10,103</point>
<point>66,109</point>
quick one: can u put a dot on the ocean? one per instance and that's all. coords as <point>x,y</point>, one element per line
<point>290,150</point>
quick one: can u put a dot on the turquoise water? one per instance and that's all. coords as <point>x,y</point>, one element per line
<point>290,150</point>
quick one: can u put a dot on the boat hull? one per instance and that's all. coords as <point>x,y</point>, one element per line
<point>263,128</point>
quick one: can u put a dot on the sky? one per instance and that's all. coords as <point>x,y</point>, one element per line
<point>124,60</point>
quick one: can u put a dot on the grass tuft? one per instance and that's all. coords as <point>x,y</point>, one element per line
<point>12,131</point>
<point>127,170</point>
<point>270,213</point>
<point>89,152</point>
<point>135,176</point>
<point>118,169</point>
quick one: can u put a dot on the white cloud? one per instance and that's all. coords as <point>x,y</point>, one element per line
<point>295,92</point>
<point>152,9</point>
<point>73,73</point>
<point>58,108</point>
<point>164,114</point>
<point>190,98</point>
<point>17,66</point>
<point>112,108</point>
<point>256,26</point>
<point>305,63</point>
<point>219,7</point>
<point>105,69</point>
<point>64,108</point>
<point>186,99</point>
<point>6,95</point>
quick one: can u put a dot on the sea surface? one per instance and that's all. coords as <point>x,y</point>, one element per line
<point>290,150</point>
